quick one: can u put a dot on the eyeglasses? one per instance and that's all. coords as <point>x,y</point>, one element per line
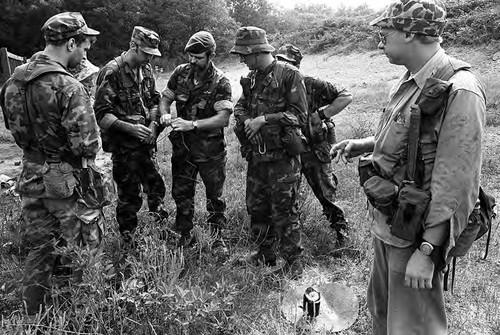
<point>384,37</point>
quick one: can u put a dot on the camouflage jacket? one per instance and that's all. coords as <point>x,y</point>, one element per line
<point>131,97</point>
<point>195,101</point>
<point>280,94</point>
<point>60,125</point>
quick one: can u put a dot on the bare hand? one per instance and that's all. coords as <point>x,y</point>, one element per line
<point>179,124</point>
<point>141,132</point>
<point>419,271</point>
<point>257,140</point>
<point>342,151</point>
<point>154,133</point>
<point>252,126</point>
<point>166,120</point>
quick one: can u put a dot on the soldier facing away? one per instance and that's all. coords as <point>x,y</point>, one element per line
<point>435,167</point>
<point>324,101</point>
<point>52,208</point>
<point>126,108</point>
<point>202,96</point>
<point>269,116</point>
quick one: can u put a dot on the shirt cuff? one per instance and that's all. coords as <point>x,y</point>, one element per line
<point>223,105</point>
<point>168,93</point>
<point>107,121</point>
<point>274,118</point>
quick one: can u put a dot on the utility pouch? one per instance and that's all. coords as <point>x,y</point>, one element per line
<point>95,188</point>
<point>58,180</point>
<point>381,194</point>
<point>322,151</point>
<point>330,132</point>
<point>433,96</point>
<point>293,141</point>
<point>272,136</point>
<point>246,146</point>
<point>409,218</point>
<point>366,169</point>
<point>314,127</point>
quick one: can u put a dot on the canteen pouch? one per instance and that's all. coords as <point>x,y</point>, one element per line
<point>409,218</point>
<point>381,194</point>
<point>366,169</point>
<point>58,180</point>
<point>293,141</point>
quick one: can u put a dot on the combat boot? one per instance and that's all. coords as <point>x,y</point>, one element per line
<point>263,256</point>
<point>186,240</point>
<point>340,225</point>
<point>293,268</point>
<point>218,246</point>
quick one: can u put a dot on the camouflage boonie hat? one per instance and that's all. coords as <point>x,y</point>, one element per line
<point>66,25</point>
<point>147,40</point>
<point>250,40</point>
<point>200,42</point>
<point>290,53</point>
<point>425,17</point>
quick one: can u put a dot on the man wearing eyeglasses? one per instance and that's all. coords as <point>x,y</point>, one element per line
<point>126,108</point>
<point>405,293</point>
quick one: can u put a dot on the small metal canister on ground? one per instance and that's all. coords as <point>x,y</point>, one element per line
<point>311,302</point>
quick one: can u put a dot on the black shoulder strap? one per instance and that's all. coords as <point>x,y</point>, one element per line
<point>445,72</point>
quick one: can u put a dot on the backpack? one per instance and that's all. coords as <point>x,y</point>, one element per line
<point>14,104</point>
<point>479,224</point>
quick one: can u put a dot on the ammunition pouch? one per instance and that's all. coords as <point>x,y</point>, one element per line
<point>315,132</point>
<point>366,169</point>
<point>59,180</point>
<point>272,135</point>
<point>381,194</point>
<point>322,151</point>
<point>331,137</point>
<point>293,141</point>
<point>95,188</point>
<point>246,146</point>
<point>409,218</point>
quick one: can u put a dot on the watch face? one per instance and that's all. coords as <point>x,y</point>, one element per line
<point>426,249</point>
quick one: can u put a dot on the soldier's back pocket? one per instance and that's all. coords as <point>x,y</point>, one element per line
<point>59,180</point>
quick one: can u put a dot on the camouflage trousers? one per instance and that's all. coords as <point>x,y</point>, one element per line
<point>184,180</point>
<point>51,224</point>
<point>271,199</point>
<point>323,182</point>
<point>134,170</point>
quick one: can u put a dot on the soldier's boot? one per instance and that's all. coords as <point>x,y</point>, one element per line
<point>341,227</point>
<point>266,255</point>
<point>293,268</point>
<point>219,246</point>
<point>128,241</point>
<point>160,215</point>
<point>186,240</point>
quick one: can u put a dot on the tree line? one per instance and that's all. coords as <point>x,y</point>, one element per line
<point>314,28</point>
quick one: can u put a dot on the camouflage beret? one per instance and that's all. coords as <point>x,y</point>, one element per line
<point>147,40</point>
<point>251,40</point>
<point>290,53</point>
<point>200,42</point>
<point>425,17</point>
<point>66,25</point>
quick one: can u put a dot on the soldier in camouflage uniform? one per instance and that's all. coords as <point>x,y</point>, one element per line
<point>203,102</point>
<point>324,101</point>
<point>57,131</point>
<point>405,292</point>
<point>269,116</point>
<point>126,108</point>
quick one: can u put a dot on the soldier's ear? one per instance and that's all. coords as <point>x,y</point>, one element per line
<point>71,44</point>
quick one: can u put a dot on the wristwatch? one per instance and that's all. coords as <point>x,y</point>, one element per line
<point>195,124</point>
<point>426,248</point>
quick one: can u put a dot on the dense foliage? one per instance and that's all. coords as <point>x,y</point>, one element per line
<point>314,28</point>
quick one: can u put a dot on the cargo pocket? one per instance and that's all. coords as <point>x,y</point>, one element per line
<point>58,180</point>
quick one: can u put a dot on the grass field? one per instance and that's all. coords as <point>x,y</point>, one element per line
<point>192,292</point>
